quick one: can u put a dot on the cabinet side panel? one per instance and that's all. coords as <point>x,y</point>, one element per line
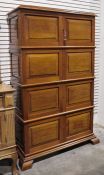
<point>19,133</point>
<point>13,27</point>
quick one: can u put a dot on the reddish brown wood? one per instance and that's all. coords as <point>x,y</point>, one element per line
<point>95,141</point>
<point>78,94</point>
<point>25,165</point>
<point>78,63</point>
<point>53,72</point>
<point>82,35</point>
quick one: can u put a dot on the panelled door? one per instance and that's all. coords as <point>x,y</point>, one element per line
<point>78,31</point>
<point>42,30</point>
<point>78,63</point>
<point>41,66</point>
<point>79,124</point>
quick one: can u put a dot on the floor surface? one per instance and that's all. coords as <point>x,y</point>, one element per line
<point>86,159</point>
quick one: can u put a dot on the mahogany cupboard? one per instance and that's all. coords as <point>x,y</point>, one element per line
<point>52,63</point>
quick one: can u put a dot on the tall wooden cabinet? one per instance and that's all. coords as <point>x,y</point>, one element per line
<point>52,60</point>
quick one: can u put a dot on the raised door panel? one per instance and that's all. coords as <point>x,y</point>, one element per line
<point>44,134</point>
<point>79,94</point>
<point>10,127</point>
<point>79,64</point>
<point>3,129</point>
<point>42,101</point>
<point>79,31</point>
<point>79,124</point>
<point>41,30</point>
<point>41,66</point>
<point>9,100</point>
<point>7,128</point>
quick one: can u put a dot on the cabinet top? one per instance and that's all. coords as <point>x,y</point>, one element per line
<point>39,8</point>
